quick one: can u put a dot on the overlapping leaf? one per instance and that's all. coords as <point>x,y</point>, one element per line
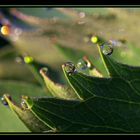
<point>57,90</point>
<point>104,104</point>
<point>15,89</point>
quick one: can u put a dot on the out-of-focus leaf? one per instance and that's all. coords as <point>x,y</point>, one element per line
<point>70,53</point>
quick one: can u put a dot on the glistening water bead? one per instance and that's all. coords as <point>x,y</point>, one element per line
<point>82,65</point>
<point>23,104</point>
<point>3,100</point>
<point>107,49</point>
<point>70,68</point>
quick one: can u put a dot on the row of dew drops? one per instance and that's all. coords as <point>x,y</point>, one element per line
<point>107,49</point>
<point>82,64</point>
<point>5,103</point>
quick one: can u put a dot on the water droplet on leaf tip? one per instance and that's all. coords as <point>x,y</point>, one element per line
<point>107,49</point>
<point>3,100</point>
<point>70,68</point>
<point>82,65</point>
<point>88,65</point>
<point>23,104</point>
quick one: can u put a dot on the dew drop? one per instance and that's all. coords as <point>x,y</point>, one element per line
<point>23,104</point>
<point>70,68</point>
<point>82,65</point>
<point>3,100</point>
<point>107,49</point>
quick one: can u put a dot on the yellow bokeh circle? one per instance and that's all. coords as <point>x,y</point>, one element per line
<point>5,30</point>
<point>94,39</point>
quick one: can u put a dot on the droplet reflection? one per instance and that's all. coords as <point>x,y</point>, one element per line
<point>70,68</point>
<point>23,104</point>
<point>3,100</point>
<point>82,65</point>
<point>107,49</point>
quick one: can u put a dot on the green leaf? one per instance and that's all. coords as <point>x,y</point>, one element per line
<point>34,119</point>
<point>57,90</point>
<point>123,71</point>
<point>28,117</point>
<point>9,119</point>
<point>104,105</point>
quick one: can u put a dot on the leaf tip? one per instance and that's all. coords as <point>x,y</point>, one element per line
<point>6,99</point>
<point>69,68</point>
<point>26,102</point>
<point>43,71</point>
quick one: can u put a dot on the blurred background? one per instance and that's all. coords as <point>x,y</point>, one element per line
<point>34,31</point>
